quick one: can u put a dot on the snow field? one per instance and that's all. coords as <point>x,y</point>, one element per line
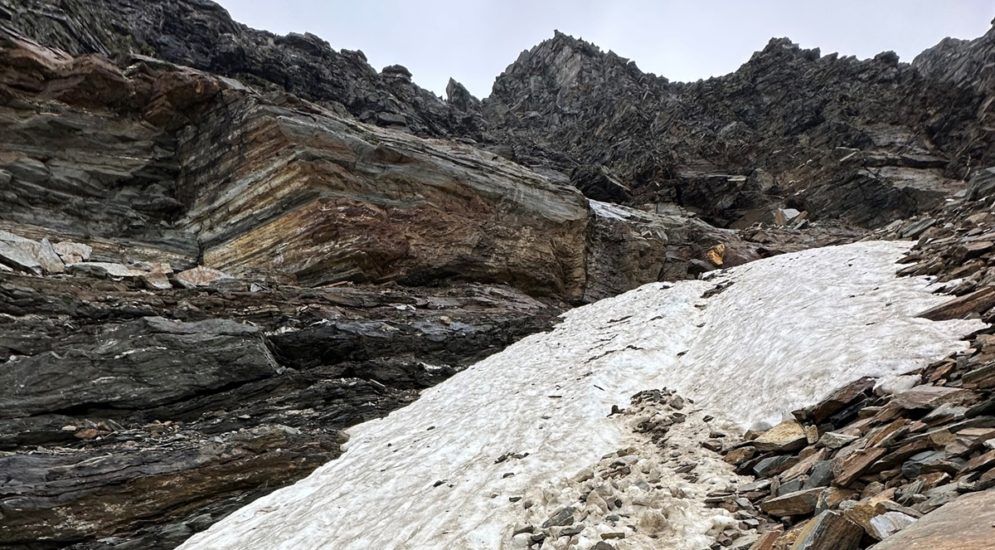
<point>782,333</point>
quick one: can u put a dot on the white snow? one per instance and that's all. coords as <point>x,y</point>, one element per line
<point>786,332</point>
<point>609,210</point>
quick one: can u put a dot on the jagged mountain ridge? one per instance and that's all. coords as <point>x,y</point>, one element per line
<point>917,131</point>
<point>788,111</point>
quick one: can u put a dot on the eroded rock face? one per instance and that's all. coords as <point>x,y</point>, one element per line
<point>128,368</point>
<point>87,151</point>
<point>294,189</point>
<point>894,137</point>
<point>61,498</point>
<point>138,417</point>
<point>201,34</point>
<point>627,247</point>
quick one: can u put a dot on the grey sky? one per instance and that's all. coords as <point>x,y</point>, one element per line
<point>474,40</point>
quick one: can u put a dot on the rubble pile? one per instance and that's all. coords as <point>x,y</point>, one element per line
<point>875,456</point>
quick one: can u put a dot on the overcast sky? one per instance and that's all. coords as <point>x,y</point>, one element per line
<point>474,40</point>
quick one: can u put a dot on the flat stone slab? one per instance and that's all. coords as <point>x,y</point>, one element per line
<point>786,436</point>
<point>967,523</point>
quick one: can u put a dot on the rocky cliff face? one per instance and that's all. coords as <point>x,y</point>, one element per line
<point>187,167</point>
<point>864,141</point>
<point>201,34</point>
<point>219,247</point>
<point>131,419</point>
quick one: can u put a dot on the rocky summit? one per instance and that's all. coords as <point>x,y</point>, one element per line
<point>227,255</point>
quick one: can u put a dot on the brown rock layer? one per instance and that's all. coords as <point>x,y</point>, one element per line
<point>310,194</point>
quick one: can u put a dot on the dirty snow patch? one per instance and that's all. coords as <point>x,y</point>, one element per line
<point>781,334</point>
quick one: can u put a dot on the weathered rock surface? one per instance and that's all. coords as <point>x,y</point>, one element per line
<point>828,531</point>
<point>149,362</point>
<point>310,194</point>
<point>59,497</point>
<point>968,523</point>
<point>135,418</point>
<point>786,436</point>
<point>200,276</point>
<point>627,246</point>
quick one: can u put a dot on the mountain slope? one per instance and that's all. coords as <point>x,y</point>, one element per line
<point>220,248</point>
<point>431,475</point>
<point>201,34</point>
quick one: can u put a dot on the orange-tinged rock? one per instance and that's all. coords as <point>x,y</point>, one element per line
<point>716,254</point>
<point>930,397</point>
<point>739,455</point>
<point>87,433</point>
<point>879,517</point>
<point>829,530</point>
<point>72,252</point>
<point>976,302</point>
<point>766,540</point>
<point>840,398</point>
<point>786,436</point>
<point>980,462</point>
<point>797,503</point>
<point>831,497</point>
<point>804,466</point>
<point>853,466</point>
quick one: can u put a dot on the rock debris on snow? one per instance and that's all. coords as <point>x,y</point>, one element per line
<point>737,368</point>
